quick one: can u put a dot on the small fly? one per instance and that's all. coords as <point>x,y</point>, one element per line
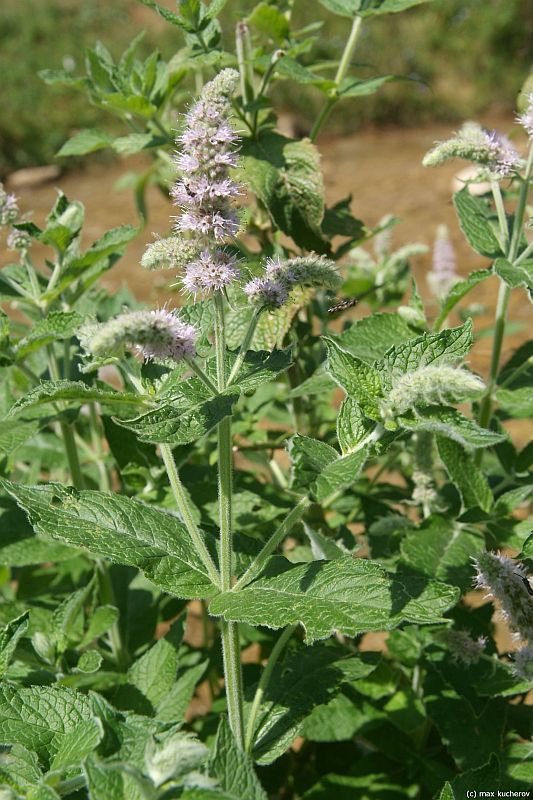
<point>350,302</point>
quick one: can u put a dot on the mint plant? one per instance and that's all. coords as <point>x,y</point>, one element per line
<point>327,496</point>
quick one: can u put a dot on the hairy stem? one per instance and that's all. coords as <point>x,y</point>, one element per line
<point>245,346</point>
<point>231,650</point>
<point>264,681</point>
<point>275,540</point>
<point>182,503</point>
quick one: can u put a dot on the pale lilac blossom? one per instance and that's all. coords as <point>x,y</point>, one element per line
<point>443,274</point>
<point>526,119</point>
<point>9,210</point>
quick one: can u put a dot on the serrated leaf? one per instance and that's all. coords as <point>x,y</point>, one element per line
<point>458,291</point>
<point>517,403</point>
<point>473,213</point>
<point>152,675</point>
<point>19,546</point>
<point>9,638</point>
<point>74,394</point>
<point>261,367</point>
<point>352,426</point>
<point>101,619</point>
<point>355,87</point>
<point>348,595</point>
<point>14,434</point>
<point>445,347</point>
<point>41,717</point>
<point>271,21</point>
<point>56,326</point>
<point>233,768</point>
<point>446,793</point>
<point>87,141</point>
<point>442,549</point>
<point>307,678</point>
<point>76,745</point>
<point>308,458</point>
<point>89,662</point>
<point>113,241</point>
<point>359,380</point>
<point>339,221</point>
<point>119,528</point>
<point>340,473</point>
<point>370,338</point>
<point>470,482</point>
<point>181,424</point>
<point>175,703</point>
<point>322,548</point>
<point>515,275</point>
<point>449,422</point>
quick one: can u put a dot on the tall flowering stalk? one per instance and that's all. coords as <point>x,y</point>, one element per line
<point>504,581</point>
<point>443,274</point>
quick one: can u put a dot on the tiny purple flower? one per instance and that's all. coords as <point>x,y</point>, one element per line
<point>267,292</point>
<point>526,119</point>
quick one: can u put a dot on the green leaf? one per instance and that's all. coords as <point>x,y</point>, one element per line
<point>181,423</point>
<point>370,338</point>
<point>348,595</point>
<point>339,221</point>
<point>152,675</point>
<point>76,745</point>
<point>352,426</point>
<point>74,394</point>
<point>271,21</point>
<point>119,528</point>
<point>322,548</point>
<point>101,619</point>
<point>370,8</point>
<point>442,549</point>
<point>287,178</point>
<point>307,678</point>
<point>175,703</point>
<point>355,87</point>
<point>104,782</point>
<point>341,473</point>
<point>449,422</point>
<point>9,638</point>
<point>56,326</point>
<point>19,547</point>
<point>473,213</point>
<point>128,104</point>
<point>173,755</point>
<point>114,241</point>
<point>471,483</point>
<point>261,367</point>
<point>87,141</point>
<point>89,662</point>
<point>360,381</point>
<point>517,403</point>
<point>344,8</point>
<point>515,275</point>
<point>233,768</point>
<point>458,291</point>
<point>308,458</point>
<point>445,347</point>
<point>134,142</point>
<point>42,717</point>
<point>447,793</point>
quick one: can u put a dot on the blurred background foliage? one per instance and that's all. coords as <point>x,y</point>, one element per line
<point>470,56</point>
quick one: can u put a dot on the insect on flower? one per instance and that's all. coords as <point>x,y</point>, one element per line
<point>528,587</point>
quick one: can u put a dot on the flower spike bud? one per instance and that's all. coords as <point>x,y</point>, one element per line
<point>463,648</point>
<point>474,143</point>
<point>267,293</point>
<point>523,662</point>
<point>157,334</point>
<point>526,119</point>
<point>443,274</point>
<point>18,240</point>
<point>503,580</point>
<point>174,252</point>
<point>9,210</point>
<point>312,270</point>
<point>430,385</point>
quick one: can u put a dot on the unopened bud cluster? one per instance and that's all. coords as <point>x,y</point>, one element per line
<point>271,290</point>
<point>507,583</point>
<point>157,334</point>
<point>9,210</point>
<point>473,143</point>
